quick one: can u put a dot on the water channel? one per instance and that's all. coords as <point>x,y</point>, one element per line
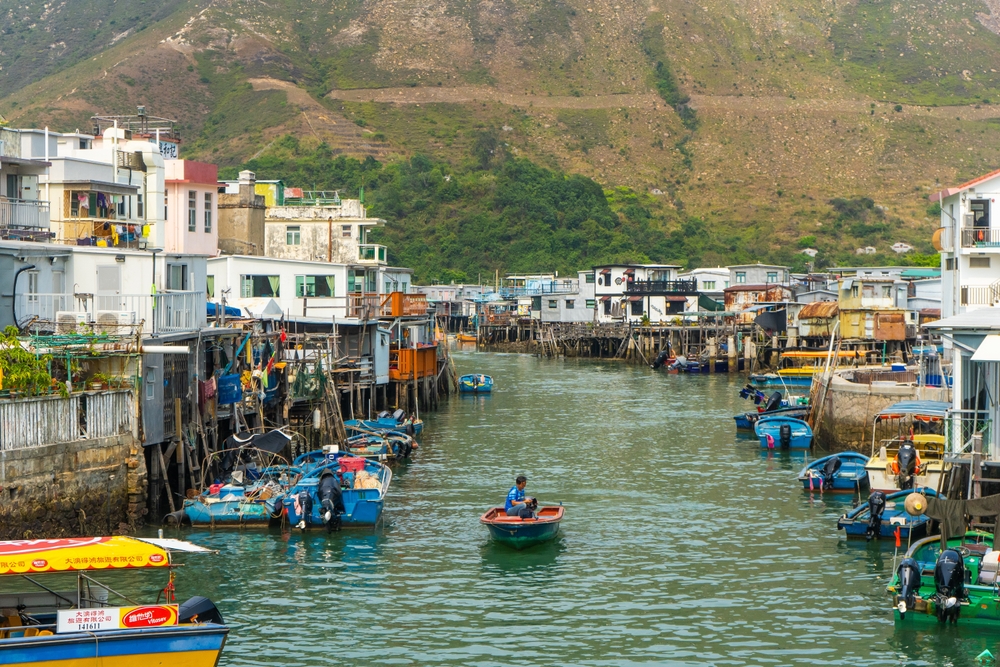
<point>682,545</point>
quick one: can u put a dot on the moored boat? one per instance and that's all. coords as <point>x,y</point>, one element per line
<point>86,626</point>
<point>746,421</point>
<point>837,472</point>
<point>394,421</point>
<point>890,516</point>
<point>945,583</point>
<point>465,338</point>
<point>781,432</point>
<point>522,533</point>
<point>913,453</point>
<point>475,383</point>
<point>349,491</point>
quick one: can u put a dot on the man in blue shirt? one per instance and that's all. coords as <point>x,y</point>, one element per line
<point>517,503</point>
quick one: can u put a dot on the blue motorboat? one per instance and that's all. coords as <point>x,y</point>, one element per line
<point>781,432</point>
<point>890,516</point>
<point>349,491</point>
<point>837,472</point>
<point>746,421</point>
<point>475,383</point>
<point>392,421</point>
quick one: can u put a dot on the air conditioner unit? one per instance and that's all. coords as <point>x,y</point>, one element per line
<point>69,321</point>
<point>111,321</point>
<point>968,220</point>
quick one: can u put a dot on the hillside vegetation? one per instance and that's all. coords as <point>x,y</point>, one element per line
<point>720,131</point>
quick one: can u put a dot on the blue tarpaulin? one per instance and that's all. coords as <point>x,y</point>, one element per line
<point>231,311</point>
<point>922,408</point>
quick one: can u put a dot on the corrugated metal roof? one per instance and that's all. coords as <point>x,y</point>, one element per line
<point>821,309</point>
<point>925,408</point>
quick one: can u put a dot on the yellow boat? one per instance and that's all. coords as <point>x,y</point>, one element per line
<point>916,427</point>
<point>465,338</point>
<point>44,625</point>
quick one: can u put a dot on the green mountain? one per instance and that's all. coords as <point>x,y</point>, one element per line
<point>717,131</point>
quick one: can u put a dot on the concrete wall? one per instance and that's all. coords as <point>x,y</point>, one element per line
<point>241,222</point>
<point>65,489</point>
<point>314,240</point>
<point>844,413</point>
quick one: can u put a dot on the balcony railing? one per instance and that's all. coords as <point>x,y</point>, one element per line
<point>364,305</point>
<point>24,219</point>
<point>119,314</point>
<point>541,288</point>
<point>663,287</point>
<point>980,295</point>
<point>980,237</point>
<point>371,252</point>
<point>397,304</point>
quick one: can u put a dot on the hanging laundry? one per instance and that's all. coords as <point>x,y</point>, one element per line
<point>101,243</point>
<point>84,201</point>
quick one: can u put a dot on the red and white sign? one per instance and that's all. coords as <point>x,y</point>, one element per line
<point>115,618</point>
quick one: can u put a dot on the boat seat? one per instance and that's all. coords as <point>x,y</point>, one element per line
<point>45,633</point>
<point>31,632</point>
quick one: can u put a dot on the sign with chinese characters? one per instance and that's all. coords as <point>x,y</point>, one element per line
<point>168,150</point>
<point>116,618</point>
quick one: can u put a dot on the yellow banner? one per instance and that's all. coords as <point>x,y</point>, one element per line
<point>78,553</point>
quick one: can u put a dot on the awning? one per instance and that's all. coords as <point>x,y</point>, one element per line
<point>79,553</point>
<point>709,304</point>
<point>989,349</point>
<point>604,298</point>
<point>676,298</point>
<point>604,271</point>
<point>635,298</point>
<point>102,186</point>
<point>629,272</point>
<point>847,283</point>
<point>923,408</point>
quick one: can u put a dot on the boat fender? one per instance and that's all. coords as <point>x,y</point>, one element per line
<point>876,505</point>
<point>949,585</point>
<point>908,575</point>
<point>175,518</point>
<point>785,435</point>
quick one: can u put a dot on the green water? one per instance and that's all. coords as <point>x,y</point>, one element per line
<point>682,545</point>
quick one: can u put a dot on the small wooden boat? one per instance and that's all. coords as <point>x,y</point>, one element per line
<point>837,472</point>
<point>475,384</point>
<point>522,533</point>
<point>857,522</point>
<point>940,584</point>
<point>465,338</point>
<point>780,432</point>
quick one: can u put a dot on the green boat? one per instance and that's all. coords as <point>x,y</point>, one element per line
<point>522,533</point>
<point>961,580</point>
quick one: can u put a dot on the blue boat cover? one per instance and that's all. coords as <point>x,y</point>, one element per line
<point>925,408</point>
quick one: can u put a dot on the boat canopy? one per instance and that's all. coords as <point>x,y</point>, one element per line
<point>934,409</point>
<point>76,554</point>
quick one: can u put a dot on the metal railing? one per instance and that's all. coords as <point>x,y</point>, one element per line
<point>961,425</point>
<point>46,420</point>
<point>661,287</point>
<point>115,313</point>
<point>980,237</point>
<point>364,305</point>
<point>541,288</point>
<point>23,215</point>
<point>371,252</point>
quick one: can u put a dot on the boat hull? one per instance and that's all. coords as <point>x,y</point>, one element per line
<point>232,513</point>
<point>772,380</point>
<point>883,479</point>
<point>467,384</point>
<point>523,533</point>
<point>852,476</point>
<point>747,420</point>
<point>801,433</point>
<point>178,646</point>
<point>855,522</point>
<point>363,507</point>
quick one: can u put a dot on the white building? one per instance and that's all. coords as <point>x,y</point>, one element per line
<point>629,292</point>
<point>578,304</point>
<point>901,248</point>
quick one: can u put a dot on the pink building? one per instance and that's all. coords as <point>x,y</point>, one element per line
<point>191,207</point>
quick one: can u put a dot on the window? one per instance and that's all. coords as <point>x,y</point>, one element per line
<point>140,210</point>
<point>356,281</point>
<point>208,212</point>
<point>32,286</point>
<point>253,286</point>
<point>867,291</point>
<point>589,277</point>
<point>570,304</point>
<point>192,211</point>
<point>949,264</point>
<point>292,235</point>
<point>403,286</point>
<point>58,282</point>
<point>854,291</point>
<point>741,277</point>
<point>553,303</point>
<point>122,207</point>
<point>979,262</point>
<point>637,307</point>
<point>708,284</point>
<point>726,283</point>
<point>210,286</point>
<point>607,307</point>
<point>886,291</point>
<point>177,276</point>
<point>591,304</point>
<point>164,207</point>
<point>345,231</point>
<point>314,286</point>
<point>772,276</point>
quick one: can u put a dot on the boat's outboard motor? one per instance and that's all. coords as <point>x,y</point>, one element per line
<point>909,585</point>
<point>661,358</point>
<point>906,458</point>
<point>830,469</point>
<point>785,436</point>
<point>399,414</point>
<point>331,500</point>
<point>306,505</point>
<point>876,505</point>
<point>949,585</point>
<point>385,414</point>
<point>199,610</point>
<point>773,402</point>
